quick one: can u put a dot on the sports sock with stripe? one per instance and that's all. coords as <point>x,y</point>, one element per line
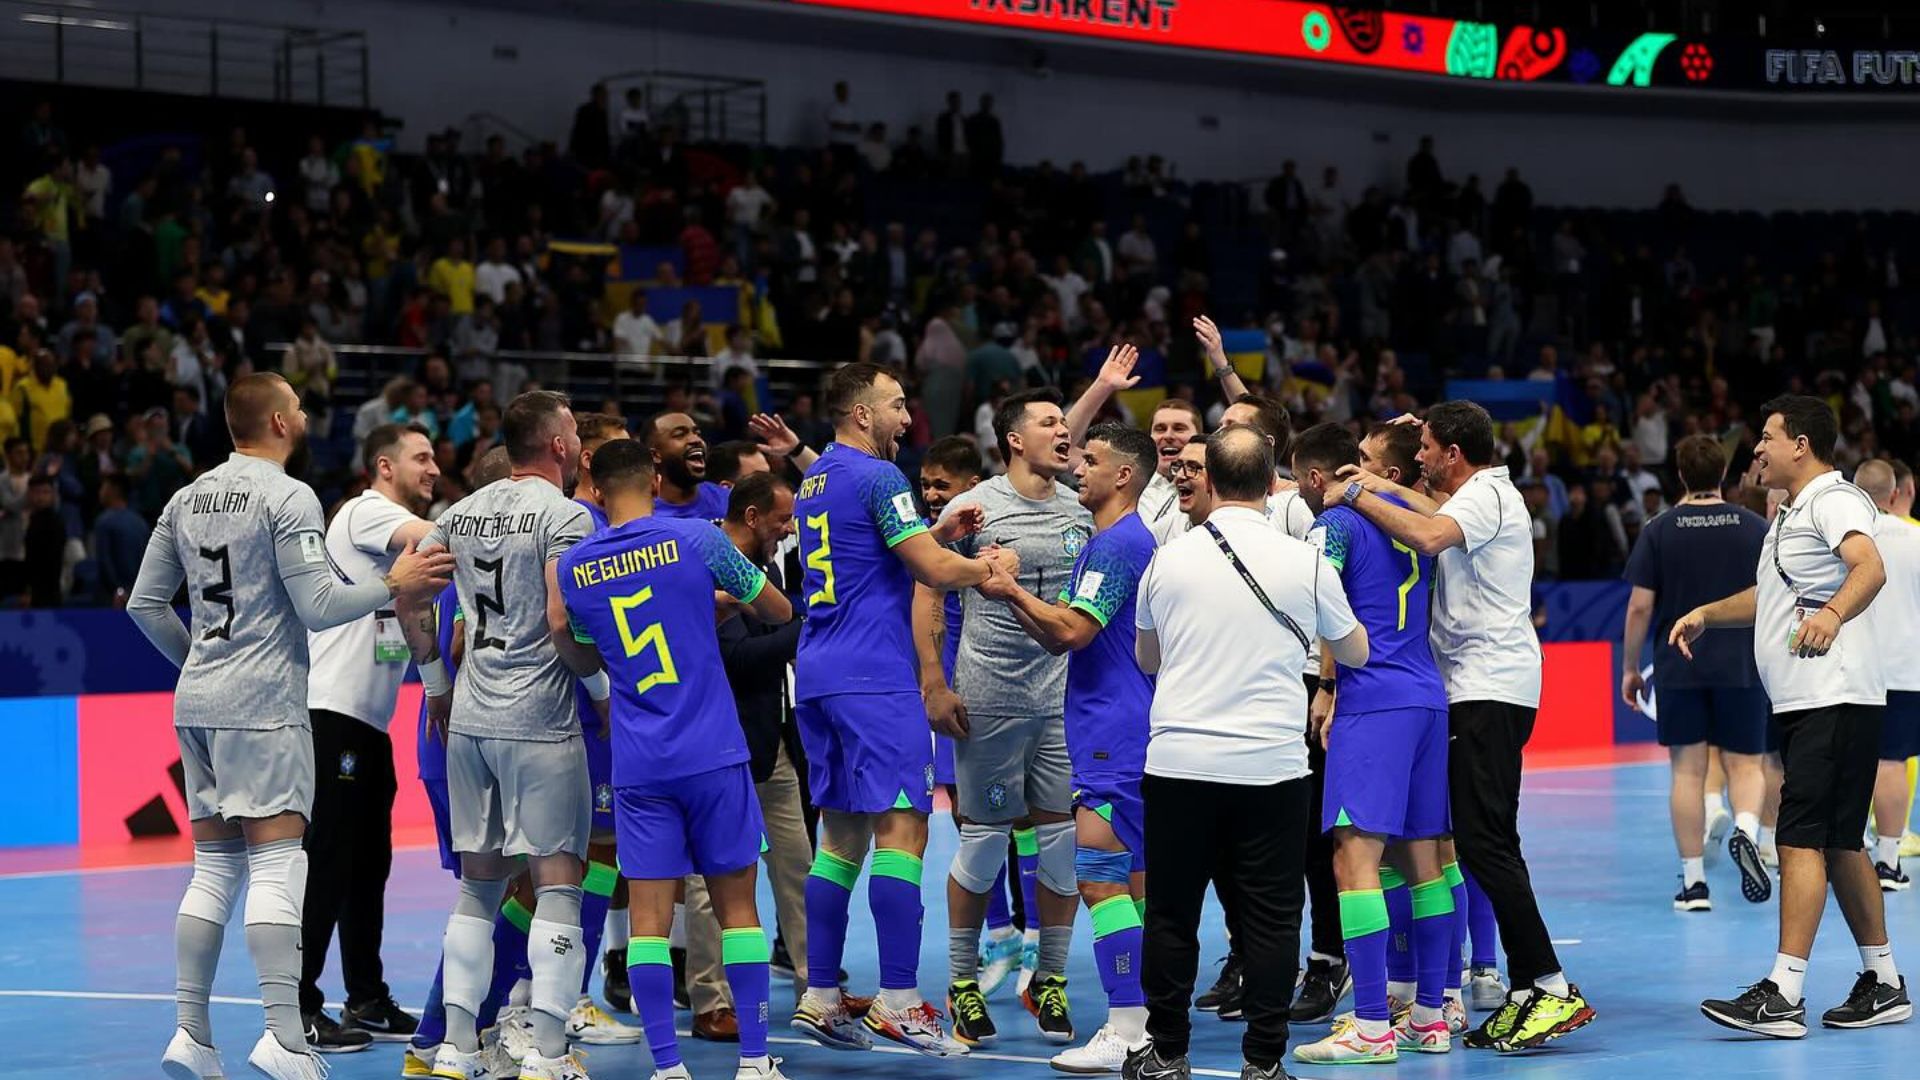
<point>745,952</point>
<point>1458,887</point>
<point>1117,943</point>
<point>1026,847</point>
<point>1432,934</point>
<point>596,897</point>
<point>829,894</point>
<point>893,893</point>
<point>1400,964</point>
<point>1363,925</point>
<point>650,974</point>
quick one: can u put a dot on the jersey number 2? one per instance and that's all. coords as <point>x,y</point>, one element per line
<point>821,559</point>
<point>495,604</point>
<point>653,636</point>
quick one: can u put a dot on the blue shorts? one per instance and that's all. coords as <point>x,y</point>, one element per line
<point>442,822</point>
<point>707,823</point>
<point>1118,803</point>
<point>1387,773</point>
<point>600,775</point>
<point>1900,726</point>
<point>1733,718</point>
<point>943,761</point>
<point>867,753</point>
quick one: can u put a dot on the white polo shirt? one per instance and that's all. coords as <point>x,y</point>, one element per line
<point>1800,569</point>
<point>1896,610</point>
<point>1482,634</point>
<point>1159,501</point>
<point>1229,705</point>
<point>1287,512</point>
<point>355,668</point>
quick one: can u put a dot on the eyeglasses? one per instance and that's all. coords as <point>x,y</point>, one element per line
<point>1185,468</point>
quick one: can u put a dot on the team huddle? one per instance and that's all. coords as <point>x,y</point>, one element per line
<point>993,637</point>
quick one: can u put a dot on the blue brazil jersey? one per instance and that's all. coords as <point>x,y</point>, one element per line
<point>643,594</point>
<point>1388,585</point>
<point>709,504</point>
<point>1108,696</point>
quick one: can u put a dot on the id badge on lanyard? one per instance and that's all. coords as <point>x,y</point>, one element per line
<point>389,644</point>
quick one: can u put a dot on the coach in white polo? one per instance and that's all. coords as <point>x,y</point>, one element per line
<point>355,674</point>
<point>1225,617</point>
<point>1819,570</point>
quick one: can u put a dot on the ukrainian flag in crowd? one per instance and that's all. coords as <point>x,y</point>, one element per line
<point>1247,352</point>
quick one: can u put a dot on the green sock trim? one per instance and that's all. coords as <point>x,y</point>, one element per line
<point>1026,841</point>
<point>1390,878</point>
<point>1140,905</point>
<point>1362,912</point>
<point>1114,914</point>
<point>1451,872</point>
<point>894,863</point>
<point>600,878</point>
<point>1432,899</point>
<point>744,945</point>
<point>648,950</point>
<point>830,867</point>
<point>517,914</point>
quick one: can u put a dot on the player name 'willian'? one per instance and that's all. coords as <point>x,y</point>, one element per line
<point>630,561</point>
<point>219,502</point>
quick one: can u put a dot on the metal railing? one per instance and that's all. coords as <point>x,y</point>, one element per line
<point>48,41</point>
<point>703,108</point>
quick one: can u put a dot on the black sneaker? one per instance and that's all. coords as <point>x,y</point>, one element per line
<point>1325,983</point>
<point>679,957</point>
<point>1763,1011</point>
<point>781,965</point>
<point>1871,1004</point>
<point>1892,879</point>
<point>1755,883</point>
<point>971,1023</point>
<point>1267,1072</point>
<point>1046,999</point>
<point>1147,1064</point>
<point>326,1036</point>
<point>1228,985</point>
<point>614,983</point>
<point>1692,897</point>
<point>383,1019</point>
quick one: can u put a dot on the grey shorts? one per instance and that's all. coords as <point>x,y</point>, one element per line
<point>518,797</point>
<point>1008,767</point>
<point>236,774</point>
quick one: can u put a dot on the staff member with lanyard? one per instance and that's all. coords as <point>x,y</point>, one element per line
<point>1226,788</point>
<point>1819,569</point>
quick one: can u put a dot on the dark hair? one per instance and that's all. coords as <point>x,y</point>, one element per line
<point>756,492</point>
<point>622,463</point>
<point>1239,463</point>
<point>493,466</point>
<point>1902,472</point>
<point>251,401</point>
<point>1133,445</point>
<point>728,375</point>
<point>17,440</point>
<point>383,440</point>
<point>596,427</point>
<point>956,455</point>
<point>39,480</point>
<point>1326,446</point>
<point>524,427</point>
<point>1465,425</point>
<point>1809,417</point>
<point>1270,416</point>
<point>1701,462</point>
<point>1401,443</point>
<point>723,460</point>
<point>1183,405</point>
<point>1013,410</point>
<point>850,385</point>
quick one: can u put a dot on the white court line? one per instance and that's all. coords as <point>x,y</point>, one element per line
<point>783,1040</point>
<point>1592,793</point>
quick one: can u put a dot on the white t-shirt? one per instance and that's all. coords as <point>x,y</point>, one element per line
<point>1483,637</point>
<point>490,279</point>
<point>355,668</point>
<point>746,204</point>
<point>1805,539</point>
<point>1896,610</point>
<point>1229,705</point>
<point>635,335</point>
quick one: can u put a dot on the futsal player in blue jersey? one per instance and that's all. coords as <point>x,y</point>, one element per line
<point>642,591</point>
<point>857,702</point>
<point>1108,699</point>
<point>680,457</point>
<point>1386,784</point>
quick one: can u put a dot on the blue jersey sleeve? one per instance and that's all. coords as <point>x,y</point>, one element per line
<point>1334,535</point>
<point>888,501</point>
<point>1104,579</point>
<point>732,572</point>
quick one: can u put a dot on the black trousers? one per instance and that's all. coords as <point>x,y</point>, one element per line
<point>349,849</point>
<point>1250,844</point>
<point>1483,771</point>
<point>1323,893</point>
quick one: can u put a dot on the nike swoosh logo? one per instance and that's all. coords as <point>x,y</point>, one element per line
<point>1765,1012</point>
<point>373,1025</point>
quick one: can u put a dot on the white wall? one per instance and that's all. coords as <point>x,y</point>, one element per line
<point>432,65</point>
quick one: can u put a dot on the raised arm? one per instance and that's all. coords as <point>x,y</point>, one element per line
<point>780,441</point>
<point>1231,385</point>
<point>1116,374</point>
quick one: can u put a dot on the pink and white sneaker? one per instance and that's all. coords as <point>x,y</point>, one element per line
<point>1434,1038</point>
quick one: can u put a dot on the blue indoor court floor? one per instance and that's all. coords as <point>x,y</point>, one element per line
<point>86,968</point>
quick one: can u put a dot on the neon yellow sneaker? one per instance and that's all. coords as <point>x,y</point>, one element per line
<point>1910,845</point>
<point>1547,1017</point>
<point>1496,1026</point>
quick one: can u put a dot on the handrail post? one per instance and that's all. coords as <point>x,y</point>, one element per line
<point>139,52</point>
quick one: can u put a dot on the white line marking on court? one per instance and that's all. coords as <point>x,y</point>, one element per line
<point>1565,941</point>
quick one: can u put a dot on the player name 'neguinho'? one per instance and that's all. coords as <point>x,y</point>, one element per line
<point>622,563</point>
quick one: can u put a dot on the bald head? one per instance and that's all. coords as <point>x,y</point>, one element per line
<point>1875,477</point>
<point>1239,463</point>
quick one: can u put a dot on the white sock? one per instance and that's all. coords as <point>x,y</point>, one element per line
<point>1033,935</point>
<point>1400,991</point>
<point>1886,850</point>
<point>1422,1016</point>
<point>1693,871</point>
<point>1003,933</point>
<point>1129,1022</point>
<point>677,934</point>
<point>1790,975</point>
<point>1716,803</point>
<point>521,995</point>
<point>825,995</point>
<point>1879,960</point>
<point>1373,1030</point>
<point>614,938</point>
<point>1747,823</point>
<point>1766,837</point>
<point>899,1000</point>
<point>1555,984</point>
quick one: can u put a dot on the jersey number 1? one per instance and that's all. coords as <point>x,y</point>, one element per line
<point>654,636</point>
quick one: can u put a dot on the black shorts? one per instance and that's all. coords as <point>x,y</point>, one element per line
<point>1831,756</point>
<point>1732,718</point>
<point>1900,731</point>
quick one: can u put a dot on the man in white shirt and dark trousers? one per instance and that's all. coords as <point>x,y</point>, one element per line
<point>1818,572</point>
<point>355,673</point>
<point>1478,529</point>
<point>1226,789</point>
<point>1896,625</point>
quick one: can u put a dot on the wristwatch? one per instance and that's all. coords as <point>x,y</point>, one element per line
<point>1329,683</point>
<point>1353,492</point>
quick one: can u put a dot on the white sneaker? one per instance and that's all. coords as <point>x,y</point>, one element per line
<point>186,1059</point>
<point>277,1062</point>
<point>1029,962</point>
<point>415,1063</point>
<point>591,1024</point>
<point>1349,1046</point>
<point>678,1072</point>
<point>1486,989</point>
<point>761,1068</point>
<point>830,1025</point>
<point>999,958</point>
<point>451,1064</point>
<point>1455,1012</point>
<point>513,1032</point>
<point>917,1028</point>
<point>564,1067</point>
<point>1718,822</point>
<point>1104,1053</point>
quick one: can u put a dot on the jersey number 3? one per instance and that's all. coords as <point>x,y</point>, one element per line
<point>653,636</point>
<point>821,559</point>
<point>220,592</point>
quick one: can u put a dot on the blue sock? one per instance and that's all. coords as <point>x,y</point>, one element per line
<point>745,952</point>
<point>1480,924</point>
<point>1363,923</point>
<point>1399,901</point>
<point>999,913</point>
<point>1026,846</point>
<point>650,973</point>
<point>1459,888</point>
<point>829,894</point>
<point>1432,933</point>
<point>893,891</point>
<point>1117,943</point>
<point>509,959</point>
<point>596,896</point>
<point>433,1016</point>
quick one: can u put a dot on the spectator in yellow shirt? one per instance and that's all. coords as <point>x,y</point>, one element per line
<point>213,290</point>
<point>49,203</point>
<point>451,275</point>
<point>41,398</point>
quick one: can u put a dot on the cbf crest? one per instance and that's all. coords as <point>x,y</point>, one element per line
<point>1072,541</point>
<point>603,798</point>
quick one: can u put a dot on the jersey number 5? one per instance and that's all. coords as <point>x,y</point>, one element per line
<point>496,604</point>
<point>821,559</point>
<point>654,636</point>
<point>220,592</point>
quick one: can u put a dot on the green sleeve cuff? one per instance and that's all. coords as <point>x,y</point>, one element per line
<point>906,535</point>
<point>1090,610</point>
<point>759,586</point>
